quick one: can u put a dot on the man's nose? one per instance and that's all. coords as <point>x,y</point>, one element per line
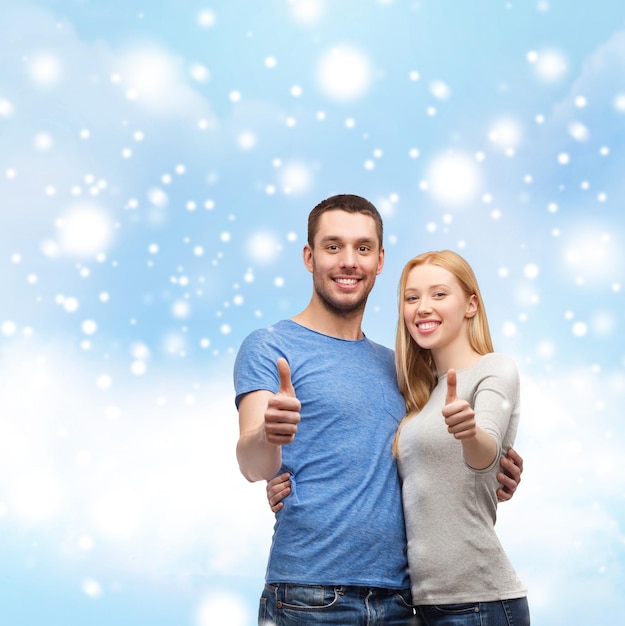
<point>348,257</point>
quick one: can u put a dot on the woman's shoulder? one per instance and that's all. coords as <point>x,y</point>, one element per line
<point>499,363</point>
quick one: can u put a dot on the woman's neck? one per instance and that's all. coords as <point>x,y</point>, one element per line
<point>455,357</point>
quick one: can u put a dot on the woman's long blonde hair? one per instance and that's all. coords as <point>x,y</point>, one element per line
<point>416,373</point>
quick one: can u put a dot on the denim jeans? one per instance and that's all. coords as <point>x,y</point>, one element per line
<point>310,605</point>
<point>499,613</point>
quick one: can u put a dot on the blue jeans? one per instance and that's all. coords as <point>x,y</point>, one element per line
<point>499,613</point>
<point>311,605</point>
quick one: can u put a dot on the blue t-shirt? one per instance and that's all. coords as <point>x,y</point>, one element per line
<point>343,522</point>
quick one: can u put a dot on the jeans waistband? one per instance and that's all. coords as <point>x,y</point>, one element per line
<point>351,590</point>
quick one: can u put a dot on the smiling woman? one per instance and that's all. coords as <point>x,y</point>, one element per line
<point>462,403</point>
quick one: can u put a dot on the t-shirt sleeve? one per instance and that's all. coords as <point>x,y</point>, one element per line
<point>255,365</point>
<point>496,397</point>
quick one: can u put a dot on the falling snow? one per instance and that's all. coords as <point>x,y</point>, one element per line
<point>157,168</point>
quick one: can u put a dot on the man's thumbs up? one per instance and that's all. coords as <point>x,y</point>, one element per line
<point>284,372</point>
<point>282,413</point>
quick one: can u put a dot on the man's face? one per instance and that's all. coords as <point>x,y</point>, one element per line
<point>345,260</point>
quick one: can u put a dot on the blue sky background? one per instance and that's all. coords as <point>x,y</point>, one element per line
<point>157,165</point>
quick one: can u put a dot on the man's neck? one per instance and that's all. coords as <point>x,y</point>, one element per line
<point>318,318</point>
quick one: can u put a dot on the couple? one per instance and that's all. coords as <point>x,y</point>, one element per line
<point>320,406</point>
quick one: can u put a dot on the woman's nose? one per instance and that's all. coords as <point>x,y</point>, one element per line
<point>424,306</point>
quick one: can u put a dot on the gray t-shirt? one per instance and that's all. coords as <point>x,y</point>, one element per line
<point>450,509</point>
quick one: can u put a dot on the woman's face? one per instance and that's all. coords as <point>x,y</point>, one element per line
<point>436,309</point>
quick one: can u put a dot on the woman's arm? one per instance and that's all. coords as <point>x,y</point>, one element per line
<point>479,448</point>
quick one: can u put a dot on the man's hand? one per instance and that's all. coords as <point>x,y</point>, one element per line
<point>458,414</point>
<point>282,413</point>
<point>278,488</point>
<point>510,478</point>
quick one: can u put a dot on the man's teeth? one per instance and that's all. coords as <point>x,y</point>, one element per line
<point>346,281</point>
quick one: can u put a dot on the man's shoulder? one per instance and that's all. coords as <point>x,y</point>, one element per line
<point>279,336</point>
<point>381,349</point>
<point>266,332</point>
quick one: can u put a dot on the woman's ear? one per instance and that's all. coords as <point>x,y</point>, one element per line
<point>472,306</point>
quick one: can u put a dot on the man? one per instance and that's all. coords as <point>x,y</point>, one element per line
<point>319,401</point>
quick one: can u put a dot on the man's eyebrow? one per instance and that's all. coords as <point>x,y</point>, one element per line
<point>363,240</point>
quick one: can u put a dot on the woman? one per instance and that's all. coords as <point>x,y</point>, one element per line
<point>462,403</point>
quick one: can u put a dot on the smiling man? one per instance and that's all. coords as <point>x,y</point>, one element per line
<point>318,400</point>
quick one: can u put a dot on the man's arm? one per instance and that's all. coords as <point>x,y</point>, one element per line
<point>266,422</point>
<point>279,487</point>
<point>258,459</point>
<point>510,477</point>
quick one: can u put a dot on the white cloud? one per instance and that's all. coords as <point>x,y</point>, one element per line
<point>45,68</point>
<point>565,515</point>
<point>595,85</point>
<point>440,90</point>
<point>295,178</point>
<point>344,73</point>
<point>222,608</point>
<point>505,133</point>
<point>207,18</point>
<point>453,179</point>
<point>85,230</point>
<point>591,254</point>
<point>160,474</point>
<point>156,81</point>
<point>549,65</point>
<point>308,12</point>
<point>54,54</point>
<point>6,108</point>
<point>34,495</point>
<point>263,247</point>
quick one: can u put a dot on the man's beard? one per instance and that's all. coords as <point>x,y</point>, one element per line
<point>336,305</point>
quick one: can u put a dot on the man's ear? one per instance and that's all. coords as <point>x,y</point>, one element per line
<point>380,262</point>
<point>307,255</point>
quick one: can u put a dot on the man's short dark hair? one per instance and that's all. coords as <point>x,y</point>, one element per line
<point>343,202</point>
